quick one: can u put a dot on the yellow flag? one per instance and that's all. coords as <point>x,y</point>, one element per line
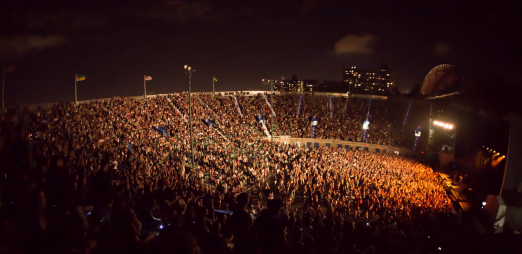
<point>80,77</point>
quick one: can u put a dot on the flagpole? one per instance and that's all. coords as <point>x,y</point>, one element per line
<point>75,89</point>
<point>213,91</point>
<point>144,86</point>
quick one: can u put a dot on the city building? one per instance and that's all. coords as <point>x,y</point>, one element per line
<point>289,86</point>
<point>333,86</point>
<point>379,82</point>
<point>311,85</point>
<point>293,85</point>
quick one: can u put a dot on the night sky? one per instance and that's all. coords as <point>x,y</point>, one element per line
<point>241,42</point>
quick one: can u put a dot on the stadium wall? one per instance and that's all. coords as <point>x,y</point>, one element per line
<point>343,95</point>
<point>223,93</point>
<point>310,142</point>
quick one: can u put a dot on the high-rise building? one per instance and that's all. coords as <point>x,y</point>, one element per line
<point>369,82</point>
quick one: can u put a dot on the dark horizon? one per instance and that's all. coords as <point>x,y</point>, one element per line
<point>241,43</point>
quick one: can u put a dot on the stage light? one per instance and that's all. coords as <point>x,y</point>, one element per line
<point>484,203</point>
<point>503,156</point>
<point>443,125</point>
<point>366,125</point>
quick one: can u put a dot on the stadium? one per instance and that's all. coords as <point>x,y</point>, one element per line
<point>348,172</point>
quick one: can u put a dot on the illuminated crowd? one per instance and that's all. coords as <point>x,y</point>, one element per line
<point>117,176</point>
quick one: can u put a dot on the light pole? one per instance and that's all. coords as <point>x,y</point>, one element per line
<point>271,83</point>
<point>187,70</point>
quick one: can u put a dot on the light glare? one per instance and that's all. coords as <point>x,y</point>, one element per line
<point>443,125</point>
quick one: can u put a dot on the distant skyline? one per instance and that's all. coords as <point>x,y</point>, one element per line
<point>242,42</point>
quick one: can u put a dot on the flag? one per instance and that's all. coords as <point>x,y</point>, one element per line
<point>80,77</point>
<point>9,68</point>
<point>215,79</point>
<point>148,78</point>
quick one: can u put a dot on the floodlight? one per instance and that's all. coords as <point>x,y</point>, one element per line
<point>366,125</point>
<point>185,67</point>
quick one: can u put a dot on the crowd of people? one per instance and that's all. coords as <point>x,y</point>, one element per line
<point>340,118</point>
<point>117,176</point>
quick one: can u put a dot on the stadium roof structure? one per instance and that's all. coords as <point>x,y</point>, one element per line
<point>436,77</point>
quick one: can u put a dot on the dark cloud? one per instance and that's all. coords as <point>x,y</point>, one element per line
<point>442,49</point>
<point>18,45</point>
<point>59,20</point>
<point>354,44</point>
<point>308,6</point>
<point>30,30</point>
<point>178,11</point>
<point>69,19</point>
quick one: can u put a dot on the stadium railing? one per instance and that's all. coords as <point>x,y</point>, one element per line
<point>335,143</point>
